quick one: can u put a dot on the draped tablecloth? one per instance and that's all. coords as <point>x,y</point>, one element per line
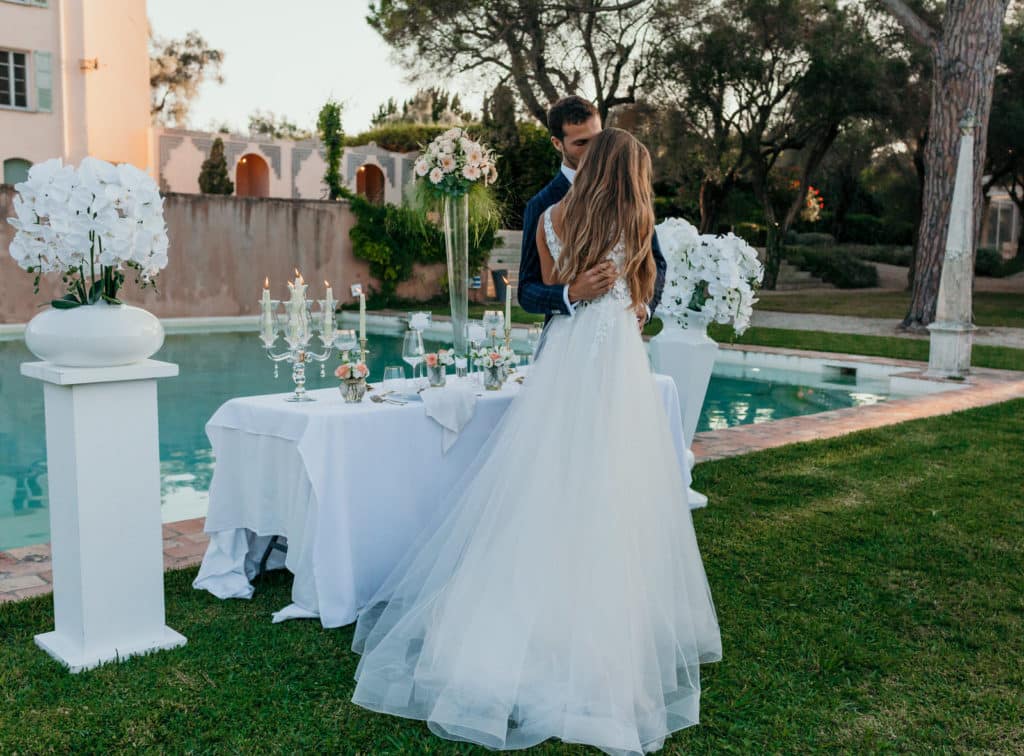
<point>348,485</point>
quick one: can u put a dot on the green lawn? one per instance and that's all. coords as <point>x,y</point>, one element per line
<point>990,308</point>
<point>870,591</point>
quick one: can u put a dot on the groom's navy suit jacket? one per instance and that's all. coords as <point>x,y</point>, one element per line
<point>534,295</point>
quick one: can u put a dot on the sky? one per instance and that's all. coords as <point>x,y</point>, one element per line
<point>288,58</point>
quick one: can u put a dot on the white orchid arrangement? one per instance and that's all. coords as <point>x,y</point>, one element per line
<point>453,163</point>
<point>710,279</point>
<point>89,225</point>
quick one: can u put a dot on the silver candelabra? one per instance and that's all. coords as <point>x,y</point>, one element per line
<point>298,326</point>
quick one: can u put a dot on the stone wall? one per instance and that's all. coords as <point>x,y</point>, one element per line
<point>221,250</point>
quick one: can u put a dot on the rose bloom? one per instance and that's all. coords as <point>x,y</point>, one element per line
<point>471,172</point>
<point>431,360</point>
<point>362,370</point>
<point>343,372</point>
<point>447,163</point>
<point>495,357</point>
<point>436,176</point>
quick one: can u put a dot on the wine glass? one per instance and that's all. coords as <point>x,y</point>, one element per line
<point>345,340</point>
<point>533,334</point>
<point>494,322</point>
<point>394,379</point>
<point>412,350</point>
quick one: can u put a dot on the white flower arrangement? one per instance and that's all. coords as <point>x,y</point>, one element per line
<point>454,162</point>
<point>710,279</point>
<point>351,370</point>
<point>488,358</point>
<point>89,225</point>
<point>442,357</point>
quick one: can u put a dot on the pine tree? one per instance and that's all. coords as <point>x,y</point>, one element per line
<point>213,177</point>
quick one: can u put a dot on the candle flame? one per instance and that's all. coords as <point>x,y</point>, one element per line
<point>266,282</point>
<point>505,279</point>
<point>327,284</point>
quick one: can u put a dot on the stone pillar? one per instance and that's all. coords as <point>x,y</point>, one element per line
<point>952,332</point>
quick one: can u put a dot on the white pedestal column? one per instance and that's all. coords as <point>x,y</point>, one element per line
<point>688,355</point>
<point>103,467</point>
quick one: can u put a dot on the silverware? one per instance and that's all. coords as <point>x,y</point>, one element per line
<point>382,400</point>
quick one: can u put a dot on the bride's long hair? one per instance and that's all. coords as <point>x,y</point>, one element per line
<point>611,199</point>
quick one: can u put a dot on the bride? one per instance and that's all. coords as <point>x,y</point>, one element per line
<point>563,594</point>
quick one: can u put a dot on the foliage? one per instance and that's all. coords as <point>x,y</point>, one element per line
<point>1005,155</point>
<point>213,176</point>
<point>890,254</point>
<point>177,68</point>
<point>333,138</point>
<point>544,49</point>
<point>392,239</point>
<point>427,106</point>
<point>269,124</point>
<point>834,265</point>
<point>868,229</point>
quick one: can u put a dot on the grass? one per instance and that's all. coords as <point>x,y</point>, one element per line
<point>990,308</point>
<point>870,591</point>
<point>982,355</point>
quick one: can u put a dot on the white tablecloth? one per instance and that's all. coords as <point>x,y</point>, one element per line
<point>348,485</point>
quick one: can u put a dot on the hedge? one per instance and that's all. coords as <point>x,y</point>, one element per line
<point>835,265</point>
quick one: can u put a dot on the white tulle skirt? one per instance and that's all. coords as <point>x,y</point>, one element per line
<point>563,595</point>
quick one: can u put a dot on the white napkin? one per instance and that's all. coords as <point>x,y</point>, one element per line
<point>452,407</point>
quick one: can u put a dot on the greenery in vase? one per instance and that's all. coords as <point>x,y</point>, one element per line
<point>89,225</point>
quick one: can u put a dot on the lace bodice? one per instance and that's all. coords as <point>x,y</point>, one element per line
<point>608,305</point>
<point>619,291</point>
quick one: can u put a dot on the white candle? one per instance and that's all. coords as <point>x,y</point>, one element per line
<point>328,313</point>
<point>362,315</point>
<point>508,305</point>
<point>266,295</point>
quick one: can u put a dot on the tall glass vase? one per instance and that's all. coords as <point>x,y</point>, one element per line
<point>456,242</point>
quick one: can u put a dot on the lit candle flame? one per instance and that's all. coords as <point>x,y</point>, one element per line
<point>327,284</point>
<point>266,282</point>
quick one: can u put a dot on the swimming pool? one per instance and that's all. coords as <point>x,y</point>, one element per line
<point>215,367</point>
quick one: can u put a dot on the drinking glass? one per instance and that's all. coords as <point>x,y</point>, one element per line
<point>345,340</point>
<point>394,379</point>
<point>412,350</point>
<point>533,335</point>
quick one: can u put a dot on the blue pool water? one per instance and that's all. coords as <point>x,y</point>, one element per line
<point>216,367</point>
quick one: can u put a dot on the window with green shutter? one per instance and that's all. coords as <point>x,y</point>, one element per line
<point>44,81</point>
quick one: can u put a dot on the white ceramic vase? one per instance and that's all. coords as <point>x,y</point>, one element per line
<point>688,356</point>
<point>97,335</point>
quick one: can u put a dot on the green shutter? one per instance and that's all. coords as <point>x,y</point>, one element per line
<point>44,81</point>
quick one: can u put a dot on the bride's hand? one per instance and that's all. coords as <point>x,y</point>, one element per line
<point>641,315</point>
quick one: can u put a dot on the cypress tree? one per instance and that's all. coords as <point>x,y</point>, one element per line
<point>213,177</point>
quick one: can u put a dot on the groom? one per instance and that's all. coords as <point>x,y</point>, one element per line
<point>573,122</point>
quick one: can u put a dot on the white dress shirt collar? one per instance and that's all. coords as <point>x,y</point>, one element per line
<point>569,173</point>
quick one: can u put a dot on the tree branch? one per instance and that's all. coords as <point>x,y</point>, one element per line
<point>916,26</point>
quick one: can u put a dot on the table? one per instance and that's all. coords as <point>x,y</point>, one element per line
<point>348,485</point>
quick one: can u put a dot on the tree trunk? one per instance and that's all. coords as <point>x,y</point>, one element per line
<point>964,62</point>
<point>919,151</point>
<point>712,199</point>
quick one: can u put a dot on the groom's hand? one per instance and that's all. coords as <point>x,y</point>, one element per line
<point>590,284</point>
<point>641,313</point>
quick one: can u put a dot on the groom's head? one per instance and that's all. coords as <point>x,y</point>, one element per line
<point>573,122</point>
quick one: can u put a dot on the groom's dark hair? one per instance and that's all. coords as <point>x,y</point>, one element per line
<point>572,110</point>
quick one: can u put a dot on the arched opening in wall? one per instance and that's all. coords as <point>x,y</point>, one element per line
<point>370,183</point>
<point>252,176</point>
<point>16,170</point>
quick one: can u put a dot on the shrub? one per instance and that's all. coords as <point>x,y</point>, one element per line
<point>815,240</point>
<point>392,239</point>
<point>835,265</point>
<point>988,262</point>
<point>869,229</point>
<point>881,253</point>
<point>213,175</point>
<point>753,234</point>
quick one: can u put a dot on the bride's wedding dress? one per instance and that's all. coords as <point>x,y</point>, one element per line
<point>563,594</point>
